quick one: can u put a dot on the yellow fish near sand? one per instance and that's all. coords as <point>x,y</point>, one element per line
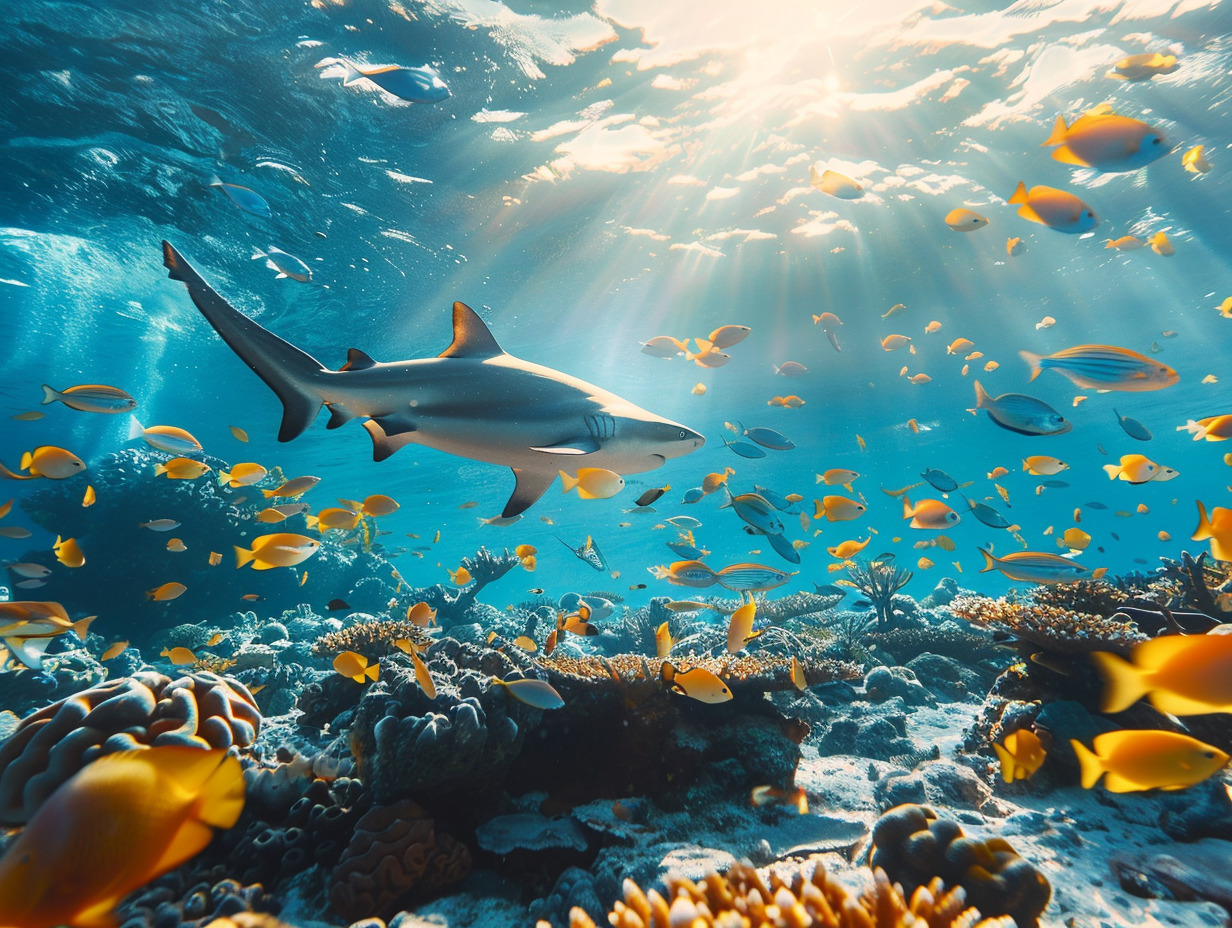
<point>1181,674</point>
<point>117,824</point>
<point>1021,754</point>
<point>1147,759</point>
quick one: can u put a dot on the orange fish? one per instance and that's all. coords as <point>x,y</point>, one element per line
<point>133,816</point>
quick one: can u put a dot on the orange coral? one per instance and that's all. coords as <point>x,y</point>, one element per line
<point>743,898</point>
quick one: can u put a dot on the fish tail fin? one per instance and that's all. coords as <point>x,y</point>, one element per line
<point>352,74</point>
<point>567,483</point>
<point>258,254</point>
<point>160,469</point>
<point>243,556</point>
<point>26,460</point>
<point>1113,469</point>
<point>224,477</point>
<point>703,346</point>
<point>1109,243</point>
<point>1034,361</point>
<point>1203,531</point>
<point>5,472</point>
<point>270,494</point>
<point>990,562</point>
<point>981,396</point>
<point>372,671</point>
<point>1123,683</point>
<point>1020,194</point>
<point>81,627</point>
<point>1060,132</point>
<point>726,504</point>
<point>1007,763</point>
<point>908,509</point>
<point>292,374</point>
<point>49,395</point>
<point>312,521</point>
<point>819,509</point>
<point>1092,767</point>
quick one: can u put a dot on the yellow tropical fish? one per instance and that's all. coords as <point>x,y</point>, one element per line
<point>1021,754</point>
<point>846,549</point>
<point>1147,759</point>
<point>837,509</point>
<point>166,592</point>
<point>176,546</point>
<point>964,220</point>
<point>740,627</point>
<point>133,815</point>
<point>959,345</point>
<point>181,469</point>
<point>282,549</point>
<point>239,433</point>
<point>1057,209</point>
<point>1103,140</point>
<point>696,683</point>
<point>46,461</point>
<point>171,439</point>
<point>1194,161</point>
<point>242,475</point>
<point>460,577</point>
<point>1138,468</point>
<point>838,476</point>
<point>930,514</point>
<point>797,675</point>
<point>115,649</point>
<point>1218,528</point>
<point>68,552</point>
<point>894,342</point>
<point>334,518</point>
<point>1161,246</point>
<point>355,666</point>
<point>91,397</point>
<point>593,483</point>
<point>179,656</point>
<point>1182,674</point>
<point>89,498</point>
<point>663,641</point>
<point>1043,465</point>
<point>292,488</point>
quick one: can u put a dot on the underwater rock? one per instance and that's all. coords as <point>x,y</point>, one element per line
<point>882,683</point>
<point>394,853</point>
<point>1201,871</point>
<point>876,731</point>
<point>199,709</point>
<point>1201,811</point>
<point>799,897</point>
<point>574,889</point>
<point>949,785</point>
<point>529,831</point>
<point>913,846</point>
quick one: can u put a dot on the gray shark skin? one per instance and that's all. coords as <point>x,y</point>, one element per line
<point>473,400</point>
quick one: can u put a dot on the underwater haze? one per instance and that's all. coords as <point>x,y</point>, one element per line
<point>976,256</point>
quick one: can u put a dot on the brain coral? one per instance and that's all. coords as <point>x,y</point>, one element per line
<point>147,709</point>
<point>395,851</point>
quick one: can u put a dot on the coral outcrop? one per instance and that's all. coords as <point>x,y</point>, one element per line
<point>394,853</point>
<point>147,709</point>
<point>913,846</point>
<point>742,897</point>
<point>1050,628</point>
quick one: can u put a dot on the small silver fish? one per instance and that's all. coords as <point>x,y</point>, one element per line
<point>286,265</point>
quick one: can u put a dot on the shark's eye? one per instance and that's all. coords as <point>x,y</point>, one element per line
<point>682,433</point>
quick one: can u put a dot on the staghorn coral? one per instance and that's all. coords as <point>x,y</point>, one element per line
<point>913,846</point>
<point>743,898</point>
<point>1049,628</point>
<point>395,852</point>
<point>373,639</point>
<point>452,604</point>
<point>147,709</point>
<point>879,580</point>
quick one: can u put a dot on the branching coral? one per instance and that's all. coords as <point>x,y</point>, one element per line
<point>879,580</point>
<point>484,567</point>
<point>1049,628</point>
<point>913,846</point>
<point>147,709</point>
<point>743,898</point>
<point>1093,597</point>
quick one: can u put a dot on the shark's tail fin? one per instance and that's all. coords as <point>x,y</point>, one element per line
<point>286,370</point>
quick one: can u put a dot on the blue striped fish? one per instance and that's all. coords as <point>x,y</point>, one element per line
<point>1035,567</point>
<point>752,577</point>
<point>1104,367</point>
<point>1019,413</point>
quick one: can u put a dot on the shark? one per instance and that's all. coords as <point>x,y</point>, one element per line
<point>473,400</point>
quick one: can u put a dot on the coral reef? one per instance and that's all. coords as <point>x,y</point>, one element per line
<point>145,710</point>
<point>742,897</point>
<point>913,846</point>
<point>394,853</point>
<point>373,638</point>
<point>187,897</point>
<point>126,559</point>
<point>1049,628</point>
<point>879,580</point>
<point>453,603</point>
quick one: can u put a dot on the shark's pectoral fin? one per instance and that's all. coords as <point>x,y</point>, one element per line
<point>383,443</point>
<point>392,425</point>
<point>338,415</point>
<point>586,445</point>
<point>532,484</point>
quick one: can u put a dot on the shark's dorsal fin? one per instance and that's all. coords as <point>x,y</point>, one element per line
<point>357,361</point>
<point>471,338</point>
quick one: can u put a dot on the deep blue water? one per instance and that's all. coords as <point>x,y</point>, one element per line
<point>602,175</point>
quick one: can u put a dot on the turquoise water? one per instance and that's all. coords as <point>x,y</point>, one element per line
<point>600,176</point>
